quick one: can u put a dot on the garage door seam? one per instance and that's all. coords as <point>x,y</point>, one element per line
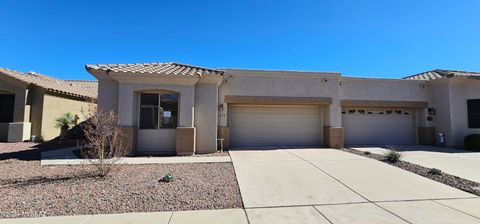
<point>309,162</point>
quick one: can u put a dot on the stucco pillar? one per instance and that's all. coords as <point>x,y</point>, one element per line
<point>19,111</point>
<point>186,107</point>
<point>130,139</point>
<point>333,137</point>
<point>19,131</point>
<point>186,141</point>
<point>333,133</point>
<point>224,133</point>
<point>126,106</point>
<point>206,120</point>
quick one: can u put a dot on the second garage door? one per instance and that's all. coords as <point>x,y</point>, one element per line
<point>378,126</point>
<point>275,125</point>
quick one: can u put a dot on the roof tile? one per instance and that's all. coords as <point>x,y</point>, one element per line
<point>167,68</point>
<point>84,89</point>
<point>440,73</point>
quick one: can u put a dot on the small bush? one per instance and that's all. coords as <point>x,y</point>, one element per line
<point>472,142</point>
<point>392,155</point>
<point>367,153</point>
<point>167,178</point>
<point>435,171</point>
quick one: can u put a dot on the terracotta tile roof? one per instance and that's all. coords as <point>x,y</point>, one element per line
<point>83,89</point>
<point>167,68</point>
<point>439,73</point>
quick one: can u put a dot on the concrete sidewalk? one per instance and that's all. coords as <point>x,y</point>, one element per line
<point>425,211</point>
<point>67,157</point>
<point>461,163</point>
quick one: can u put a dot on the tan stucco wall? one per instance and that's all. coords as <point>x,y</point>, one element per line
<point>54,107</point>
<point>283,84</point>
<point>382,89</point>
<point>107,91</point>
<point>36,110</point>
<point>460,90</point>
<point>206,119</point>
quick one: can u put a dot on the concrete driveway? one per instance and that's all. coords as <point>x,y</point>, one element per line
<point>331,186</point>
<point>465,164</point>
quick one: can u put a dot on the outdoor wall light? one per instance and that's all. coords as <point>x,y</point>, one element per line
<point>431,111</point>
<point>220,107</point>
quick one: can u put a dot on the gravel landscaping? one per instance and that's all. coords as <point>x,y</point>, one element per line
<point>28,189</point>
<point>450,180</point>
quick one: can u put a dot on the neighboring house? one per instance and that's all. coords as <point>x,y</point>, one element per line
<point>172,107</point>
<point>30,103</point>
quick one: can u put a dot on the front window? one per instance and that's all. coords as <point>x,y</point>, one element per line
<point>473,113</point>
<point>7,103</point>
<point>158,110</point>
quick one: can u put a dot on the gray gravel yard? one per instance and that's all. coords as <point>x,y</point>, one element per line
<point>28,189</point>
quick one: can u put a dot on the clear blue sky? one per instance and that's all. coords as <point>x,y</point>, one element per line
<point>373,38</point>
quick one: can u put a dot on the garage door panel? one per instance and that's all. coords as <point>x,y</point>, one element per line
<point>379,129</point>
<point>275,126</point>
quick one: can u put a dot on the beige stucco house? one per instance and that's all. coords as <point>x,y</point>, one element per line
<point>30,103</point>
<point>177,108</point>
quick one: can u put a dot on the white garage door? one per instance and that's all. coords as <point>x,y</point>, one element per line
<point>275,126</point>
<point>378,127</point>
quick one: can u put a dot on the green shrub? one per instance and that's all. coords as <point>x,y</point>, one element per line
<point>435,171</point>
<point>472,142</point>
<point>167,178</point>
<point>392,155</point>
<point>66,120</point>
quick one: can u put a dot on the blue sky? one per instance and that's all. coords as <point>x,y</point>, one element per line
<point>372,38</point>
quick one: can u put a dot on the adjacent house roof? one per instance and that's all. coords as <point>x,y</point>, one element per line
<point>167,68</point>
<point>83,89</point>
<point>439,73</point>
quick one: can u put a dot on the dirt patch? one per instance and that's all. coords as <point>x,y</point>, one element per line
<point>28,189</point>
<point>450,180</point>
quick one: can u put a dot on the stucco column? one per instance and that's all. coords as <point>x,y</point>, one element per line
<point>186,107</point>
<point>206,120</point>
<point>333,133</point>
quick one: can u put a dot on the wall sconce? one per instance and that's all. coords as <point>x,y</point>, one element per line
<point>431,111</point>
<point>220,107</point>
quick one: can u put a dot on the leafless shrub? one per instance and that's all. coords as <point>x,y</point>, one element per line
<point>104,139</point>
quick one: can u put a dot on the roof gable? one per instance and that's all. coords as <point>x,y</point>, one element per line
<point>83,89</point>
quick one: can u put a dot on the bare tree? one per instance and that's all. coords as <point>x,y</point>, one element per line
<point>104,139</point>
